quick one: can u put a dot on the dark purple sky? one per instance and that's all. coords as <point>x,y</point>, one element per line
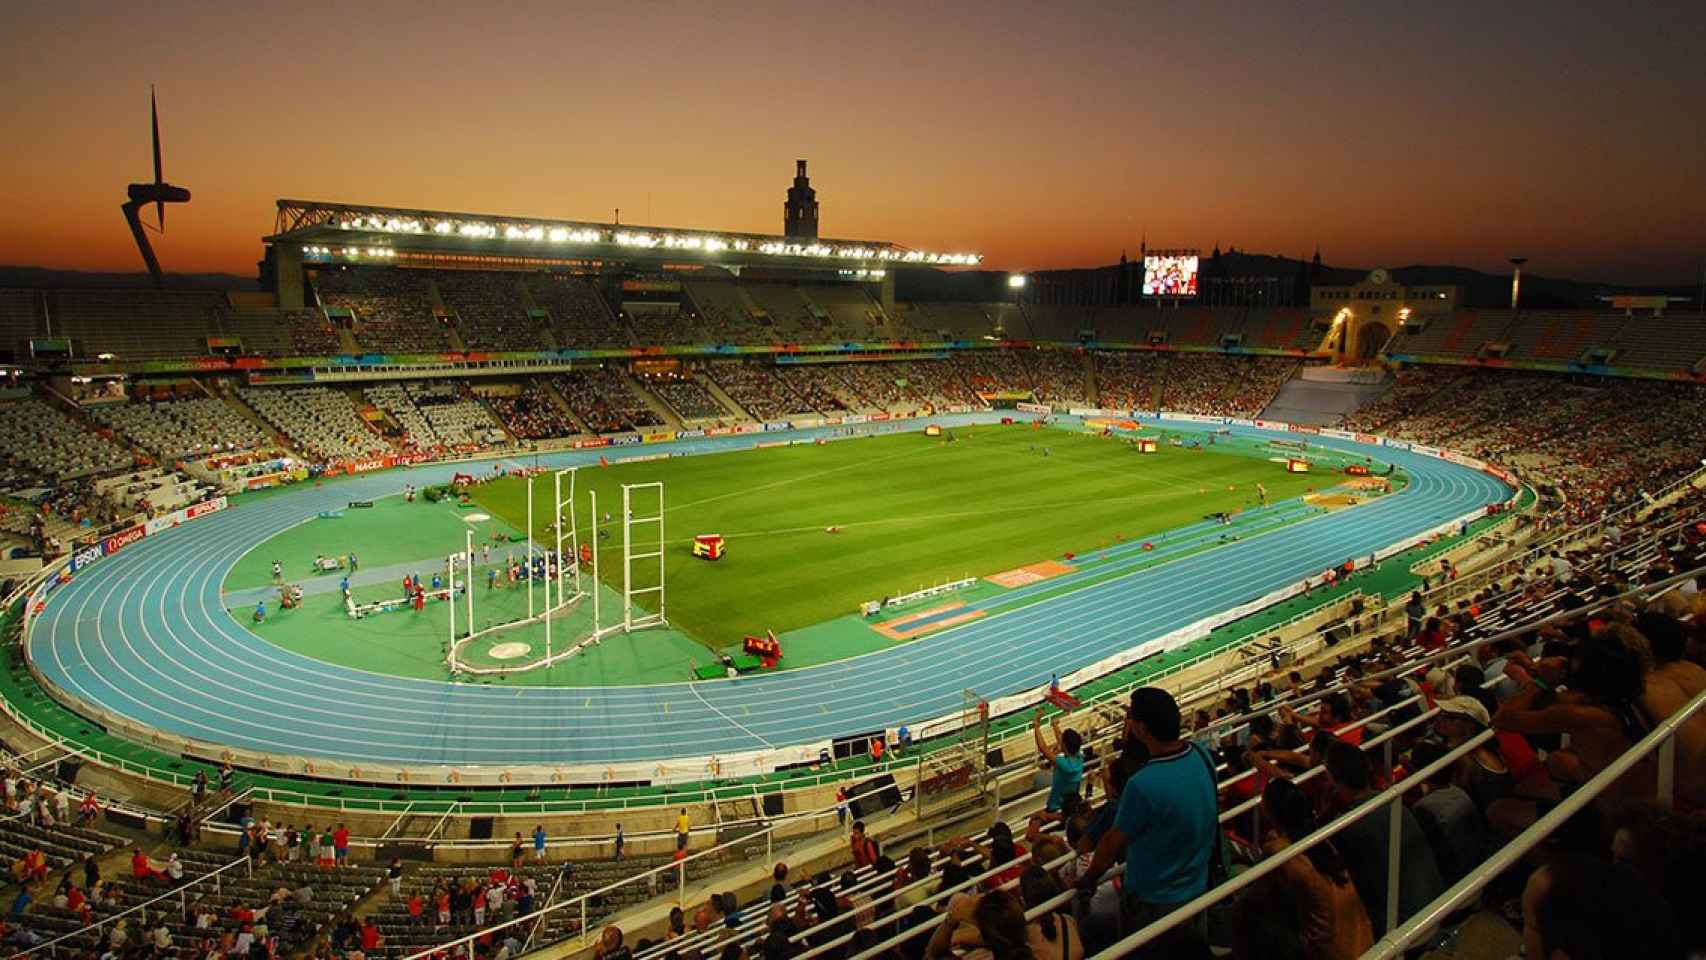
<point>1039,134</point>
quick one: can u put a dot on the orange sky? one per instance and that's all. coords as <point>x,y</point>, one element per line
<point>1038,134</point>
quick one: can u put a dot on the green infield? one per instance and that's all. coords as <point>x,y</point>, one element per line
<point>814,530</point>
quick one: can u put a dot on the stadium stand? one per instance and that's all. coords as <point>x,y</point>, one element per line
<point>604,400</point>
<point>51,442</point>
<point>1673,342</point>
<point>757,388</point>
<point>20,321</point>
<point>991,371</point>
<point>791,317</point>
<point>393,309</point>
<point>664,324</point>
<point>1208,384</point>
<point>1059,376</point>
<point>489,310</point>
<point>851,312</point>
<point>181,429</point>
<point>579,316</point>
<point>1462,334</point>
<point>321,422</point>
<point>533,413</point>
<point>138,324</point>
<point>688,398</point>
<point>815,388</point>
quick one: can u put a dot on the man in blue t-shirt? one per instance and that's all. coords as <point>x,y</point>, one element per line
<point>1065,759</point>
<point>1166,824</point>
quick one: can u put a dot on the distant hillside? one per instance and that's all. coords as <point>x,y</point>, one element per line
<point>14,276</point>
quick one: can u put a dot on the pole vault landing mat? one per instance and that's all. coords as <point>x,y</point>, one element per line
<point>1029,574</point>
<point>925,621</point>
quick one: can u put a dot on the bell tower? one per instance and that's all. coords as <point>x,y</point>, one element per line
<point>799,213</point>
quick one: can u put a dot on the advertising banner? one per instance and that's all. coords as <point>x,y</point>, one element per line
<point>1025,406</point>
<point>776,425</point>
<point>624,439</point>
<point>86,556</point>
<point>658,436</point>
<point>854,418</point>
<point>689,434</point>
<point>590,443</point>
<point>122,539</point>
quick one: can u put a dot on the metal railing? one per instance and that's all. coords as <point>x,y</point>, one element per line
<point>1421,925</point>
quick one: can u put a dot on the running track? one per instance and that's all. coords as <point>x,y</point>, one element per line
<point>144,634</point>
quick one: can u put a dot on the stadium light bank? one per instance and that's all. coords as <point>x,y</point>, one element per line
<point>705,243</point>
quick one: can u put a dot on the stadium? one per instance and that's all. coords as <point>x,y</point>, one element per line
<point>579,571</point>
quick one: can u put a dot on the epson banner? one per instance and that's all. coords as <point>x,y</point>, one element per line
<point>86,556</point>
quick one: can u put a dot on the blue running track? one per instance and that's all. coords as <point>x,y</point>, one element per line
<point>145,634</point>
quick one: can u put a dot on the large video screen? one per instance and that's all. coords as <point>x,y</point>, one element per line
<point>1170,276</point>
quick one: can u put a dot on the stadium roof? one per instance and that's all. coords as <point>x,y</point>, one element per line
<point>342,232</point>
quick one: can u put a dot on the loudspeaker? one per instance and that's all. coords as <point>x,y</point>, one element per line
<point>773,804</point>
<point>480,828</point>
<point>874,796</point>
<point>123,819</point>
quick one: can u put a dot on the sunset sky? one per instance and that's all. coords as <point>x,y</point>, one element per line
<point>1042,135</point>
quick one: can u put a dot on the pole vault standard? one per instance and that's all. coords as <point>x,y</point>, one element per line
<point>562,548</point>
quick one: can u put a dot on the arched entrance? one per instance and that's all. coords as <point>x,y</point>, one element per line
<point>1371,337</point>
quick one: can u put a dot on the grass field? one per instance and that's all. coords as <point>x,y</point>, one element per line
<point>911,511</point>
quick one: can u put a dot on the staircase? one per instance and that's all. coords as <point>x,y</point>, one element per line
<point>230,399</point>
<point>722,397</point>
<point>563,405</point>
<point>652,403</point>
<point>1316,396</point>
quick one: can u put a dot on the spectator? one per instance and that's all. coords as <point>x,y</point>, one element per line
<point>1575,908</point>
<point>1325,919</point>
<point>1066,764</point>
<point>1365,845</point>
<point>1166,823</point>
<point>863,849</point>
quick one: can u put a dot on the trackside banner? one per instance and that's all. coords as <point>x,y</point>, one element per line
<point>806,423</point>
<point>854,418</point>
<point>1028,407</point>
<point>775,425</point>
<point>588,444</point>
<point>122,539</point>
<point>689,434</point>
<point>624,439</point>
<point>659,436</point>
<point>86,556</point>
<point>1337,434</point>
<point>118,541</point>
<point>1279,425</point>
